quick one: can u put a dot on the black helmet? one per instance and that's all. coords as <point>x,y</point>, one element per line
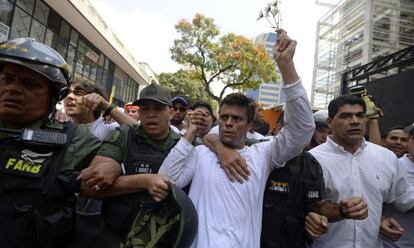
<point>171,223</point>
<point>38,57</point>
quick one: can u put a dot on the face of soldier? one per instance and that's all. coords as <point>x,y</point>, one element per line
<point>155,119</point>
<point>397,141</point>
<point>348,125</point>
<point>25,96</point>
<point>233,125</point>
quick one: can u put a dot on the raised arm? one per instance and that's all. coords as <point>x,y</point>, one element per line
<point>299,123</point>
<point>96,102</point>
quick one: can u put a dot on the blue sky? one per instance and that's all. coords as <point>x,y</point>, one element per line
<point>147,27</point>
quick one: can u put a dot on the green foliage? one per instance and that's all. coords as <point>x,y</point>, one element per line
<point>187,84</point>
<point>232,60</point>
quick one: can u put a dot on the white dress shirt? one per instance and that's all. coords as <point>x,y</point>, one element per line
<point>230,214</point>
<point>406,219</point>
<point>372,172</point>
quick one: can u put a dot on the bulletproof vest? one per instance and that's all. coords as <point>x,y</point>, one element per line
<point>141,158</point>
<point>36,203</point>
<point>289,192</point>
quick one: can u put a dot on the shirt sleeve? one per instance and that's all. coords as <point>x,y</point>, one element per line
<point>401,194</point>
<point>180,164</point>
<point>298,129</point>
<point>115,144</point>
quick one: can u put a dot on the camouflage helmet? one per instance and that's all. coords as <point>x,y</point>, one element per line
<point>38,57</point>
<point>172,222</point>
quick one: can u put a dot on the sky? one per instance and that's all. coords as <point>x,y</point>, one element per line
<point>146,28</point>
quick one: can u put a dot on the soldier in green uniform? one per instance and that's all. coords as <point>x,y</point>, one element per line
<point>139,152</point>
<point>39,157</point>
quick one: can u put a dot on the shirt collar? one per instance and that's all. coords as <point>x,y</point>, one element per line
<point>334,145</point>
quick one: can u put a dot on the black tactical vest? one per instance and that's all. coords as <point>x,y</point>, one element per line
<point>288,195</point>
<point>36,204</point>
<point>141,158</point>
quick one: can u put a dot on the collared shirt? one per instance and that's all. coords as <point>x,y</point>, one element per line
<point>230,214</point>
<point>406,219</point>
<point>372,172</point>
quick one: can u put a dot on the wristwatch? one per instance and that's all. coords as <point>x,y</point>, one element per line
<point>108,111</point>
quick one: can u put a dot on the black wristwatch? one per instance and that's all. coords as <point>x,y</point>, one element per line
<point>342,212</point>
<point>108,111</point>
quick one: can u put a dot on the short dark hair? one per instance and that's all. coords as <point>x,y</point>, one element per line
<point>243,101</point>
<point>340,101</point>
<point>89,88</point>
<point>203,105</point>
<point>398,127</point>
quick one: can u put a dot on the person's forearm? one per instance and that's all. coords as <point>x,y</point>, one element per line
<point>288,71</point>
<point>213,142</point>
<point>122,185</point>
<point>180,163</point>
<point>122,118</point>
<point>328,209</point>
<point>374,132</point>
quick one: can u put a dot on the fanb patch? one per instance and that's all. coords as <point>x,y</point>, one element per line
<point>26,163</point>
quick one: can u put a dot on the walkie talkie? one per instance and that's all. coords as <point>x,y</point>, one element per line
<point>37,136</point>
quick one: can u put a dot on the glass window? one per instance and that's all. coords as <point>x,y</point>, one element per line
<point>61,46</point>
<point>104,79</point>
<point>99,75</point>
<point>64,30</point>
<point>49,37</point>
<point>79,63</point>
<point>41,12</point>
<point>6,12</point>
<point>53,21</point>
<point>86,67</point>
<point>74,36</point>
<point>101,59</point>
<point>27,5</point>
<point>70,57</point>
<point>106,65</point>
<point>38,31</point>
<point>21,24</point>
<point>93,72</point>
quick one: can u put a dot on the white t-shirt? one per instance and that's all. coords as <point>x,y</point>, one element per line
<point>100,129</point>
<point>406,220</point>
<point>372,172</point>
<point>230,214</point>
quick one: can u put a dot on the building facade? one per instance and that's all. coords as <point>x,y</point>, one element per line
<point>79,34</point>
<point>268,93</point>
<point>353,33</point>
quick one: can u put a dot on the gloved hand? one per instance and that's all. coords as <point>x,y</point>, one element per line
<point>373,110</point>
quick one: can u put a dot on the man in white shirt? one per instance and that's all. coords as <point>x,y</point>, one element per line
<point>230,213</point>
<point>399,225</point>
<point>354,167</point>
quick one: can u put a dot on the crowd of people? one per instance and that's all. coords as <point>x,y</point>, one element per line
<point>162,172</point>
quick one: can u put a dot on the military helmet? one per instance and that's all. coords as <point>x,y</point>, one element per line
<point>38,57</point>
<point>170,223</point>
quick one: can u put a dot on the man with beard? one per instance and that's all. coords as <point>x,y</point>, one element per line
<point>179,108</point>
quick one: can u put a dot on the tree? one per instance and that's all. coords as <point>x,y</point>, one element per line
<point>231,59</point>
<point>187,84</point>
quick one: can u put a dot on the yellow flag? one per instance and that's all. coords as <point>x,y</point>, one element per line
<point>112,94</point>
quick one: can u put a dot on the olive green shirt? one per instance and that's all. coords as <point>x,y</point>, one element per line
<point>80,150</point>
<point>115,145</point>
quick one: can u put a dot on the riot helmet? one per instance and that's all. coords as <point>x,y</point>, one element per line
<point>40,58</point>
<point>172,222</point>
